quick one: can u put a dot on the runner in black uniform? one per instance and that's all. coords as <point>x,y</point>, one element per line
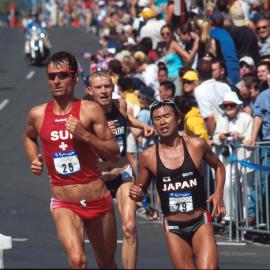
<point>118,175</point>
<point>175,164</point>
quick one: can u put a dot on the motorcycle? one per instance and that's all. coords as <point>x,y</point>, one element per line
<point>36,48</point>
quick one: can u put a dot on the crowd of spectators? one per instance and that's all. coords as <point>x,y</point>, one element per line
<point>213,60</point>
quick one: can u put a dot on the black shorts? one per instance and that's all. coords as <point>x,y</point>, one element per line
<point>186,229</point>
<point>114,184</point>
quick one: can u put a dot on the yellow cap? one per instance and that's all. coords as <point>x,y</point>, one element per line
<point>191,76</point>
<point>147,13</point>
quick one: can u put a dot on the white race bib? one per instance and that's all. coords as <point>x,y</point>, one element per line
<point>180,202</point>
<point>66,162</point>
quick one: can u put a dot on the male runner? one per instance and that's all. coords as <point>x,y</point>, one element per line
<point>118,175</point>
<point>73,134</point>
<point>175,164</point>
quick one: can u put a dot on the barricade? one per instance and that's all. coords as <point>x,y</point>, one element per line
<point>248,171</point>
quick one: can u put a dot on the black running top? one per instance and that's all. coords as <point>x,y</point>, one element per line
<point>180,190</point>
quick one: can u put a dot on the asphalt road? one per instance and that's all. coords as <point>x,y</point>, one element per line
<point>24,198</point>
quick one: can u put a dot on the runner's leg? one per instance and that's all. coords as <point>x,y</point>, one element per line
<point>70,229</point>
<point>205,248</point>
<point>102,234</point>
<point>180,251</point>
<point>127,210</point>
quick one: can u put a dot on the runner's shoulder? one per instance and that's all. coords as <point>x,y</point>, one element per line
<point>38,110</point>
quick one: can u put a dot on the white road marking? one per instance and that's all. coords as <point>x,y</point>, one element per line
<point>30,75</point>
<point>118,241</point>
<point>3,103</point>
<point>231,243</point>
<point>19,239</point>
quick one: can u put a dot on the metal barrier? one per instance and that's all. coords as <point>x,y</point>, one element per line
<point>247,176</point>
<point>247,170</point>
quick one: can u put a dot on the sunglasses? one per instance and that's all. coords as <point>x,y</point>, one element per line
<point>243,64</point>
<point>231,105</point>
<point>261,27</point>
<point>187,81</point>
<point>60,74</point>
<point>166,34</point>
<point>158,103</point>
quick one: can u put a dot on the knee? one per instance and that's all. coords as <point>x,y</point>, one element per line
<point>77,260</point>
<point>129,229</point>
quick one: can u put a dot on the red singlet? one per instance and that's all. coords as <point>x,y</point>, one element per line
<point>69,161</point>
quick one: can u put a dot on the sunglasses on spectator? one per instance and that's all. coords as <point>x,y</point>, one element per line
<point>243,64</point>
<point>229,105</point>
<point>187,81</point>
<point>261,27</point>
<point>60,74</point>
<point>164,34</point>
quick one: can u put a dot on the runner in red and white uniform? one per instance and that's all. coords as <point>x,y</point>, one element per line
<point>72,138</point>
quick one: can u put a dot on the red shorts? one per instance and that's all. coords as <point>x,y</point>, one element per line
<point>85,209</point>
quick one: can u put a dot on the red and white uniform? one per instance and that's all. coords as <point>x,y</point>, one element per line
<point>69,161</point>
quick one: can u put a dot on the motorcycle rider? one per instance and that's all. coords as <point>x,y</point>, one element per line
<point>35,23</point>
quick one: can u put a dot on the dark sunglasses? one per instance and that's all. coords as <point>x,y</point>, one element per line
<point>166,34</point>
<point>187,81</point>
<point>243,64</point>
<point>231,105</point>
<point>158,103</point>
<point>60,74</point>
<point>261,27</point>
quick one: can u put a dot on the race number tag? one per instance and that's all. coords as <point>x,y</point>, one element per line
<point>180,202</point>
<point>120,143</point>
<point>66,162</point>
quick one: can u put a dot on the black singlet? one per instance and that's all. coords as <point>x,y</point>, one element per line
<point>180,190</point>
<point>121,128</point>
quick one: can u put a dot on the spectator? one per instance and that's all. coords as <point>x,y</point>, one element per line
<point>234,128</point>
<point>167,90</point>
<point>194,125</point>
<point>247,65</point>
<point>209,94</point>
<point>190,80</point>
<point>152,26</point>
<point>263,71</point>
<point>219,73</point>
<point>263,34</point>
<point>162,74</point>
<point>146,45</point>
<point>147,70</point>
<point>227,46</point>
<point>244,37</point>
<point>261,126</point>
<point>175,56</point>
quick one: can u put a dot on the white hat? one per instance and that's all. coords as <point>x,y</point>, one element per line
<point>248,60</point>
<point>144,3</point>
<point>231,97</point>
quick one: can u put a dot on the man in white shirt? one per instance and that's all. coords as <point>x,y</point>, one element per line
<point>152,26</point>
<point>209,94</point>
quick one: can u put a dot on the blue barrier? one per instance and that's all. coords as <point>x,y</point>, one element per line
<point>253,166</point>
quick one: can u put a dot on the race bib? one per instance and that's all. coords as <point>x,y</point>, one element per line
<point>66,162</point>
<point>120,143</point>
<point>180,202</point>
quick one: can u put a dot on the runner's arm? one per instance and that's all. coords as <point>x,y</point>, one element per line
<point>142,182</point>
<point>99,136</point>
<point>30,142</point>
<point>217,197</point>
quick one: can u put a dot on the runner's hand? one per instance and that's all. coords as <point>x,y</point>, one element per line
<point>112,127</point>
<point>37,165</point>
<point>218,204</point>
<point>136,193</point>
<point>75,127</point>
<point>148,131</point>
